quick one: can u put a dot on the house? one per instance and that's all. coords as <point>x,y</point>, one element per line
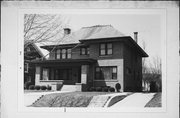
<point>32,51</point>
<point>92,56</point>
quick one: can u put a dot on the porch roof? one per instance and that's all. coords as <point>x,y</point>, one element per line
<point>63,61</point>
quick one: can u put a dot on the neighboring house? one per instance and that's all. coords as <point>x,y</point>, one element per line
<point>31,52</point>
<point>93,56</point>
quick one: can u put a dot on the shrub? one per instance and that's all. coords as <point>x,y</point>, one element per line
<point>105,89</point>
<point>118,87</point>
<point>111,89</point>
<point>48,87</point>
<point>43,87</point>
<point>153,86</point>
<point>98,89</point>
<point>31,87</point>
<point>27,84</point>
<point>37,87</point>
<point>91,89</point>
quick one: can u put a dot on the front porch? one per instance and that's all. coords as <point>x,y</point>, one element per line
<point>59,73</point>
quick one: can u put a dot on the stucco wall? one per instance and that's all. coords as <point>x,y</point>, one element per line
<point>111,62</point>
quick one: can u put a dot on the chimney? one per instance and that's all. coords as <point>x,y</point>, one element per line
<point>67,31</point>
<point>136,36</point>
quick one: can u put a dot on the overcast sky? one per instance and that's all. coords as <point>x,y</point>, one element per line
<point>148,27</point>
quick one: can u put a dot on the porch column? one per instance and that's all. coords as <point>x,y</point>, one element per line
<point>37,75</point>
<point>84,73</point>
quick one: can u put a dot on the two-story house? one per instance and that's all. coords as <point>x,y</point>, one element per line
<point>93,56</point>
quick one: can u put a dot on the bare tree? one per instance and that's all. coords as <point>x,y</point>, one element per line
<point>155,66</point>
<point>42,28</point>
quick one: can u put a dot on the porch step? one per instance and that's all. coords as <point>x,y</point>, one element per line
<point>69,88</point>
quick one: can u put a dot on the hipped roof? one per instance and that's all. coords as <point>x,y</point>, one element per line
<point>96,32</point>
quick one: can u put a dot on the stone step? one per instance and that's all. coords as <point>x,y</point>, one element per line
<point>69,88</point>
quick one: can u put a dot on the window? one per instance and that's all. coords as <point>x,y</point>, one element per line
<point>128,70</point>
<point>58,54</point>
<point>45,74</point>
<point>26,67</point>
<point>84,51</point>
<point>68,53</point>
<point>63,53</point>
<point>106,49</point>
<point>106,73</point>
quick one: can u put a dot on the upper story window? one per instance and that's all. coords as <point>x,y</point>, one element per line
<point>26,67</point>
<point>106,49</point>
<point>63,53</point>
<point>84,51</point>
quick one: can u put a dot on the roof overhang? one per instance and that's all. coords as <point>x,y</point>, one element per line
<point>127,39</point>
<point>138,48</point>
<point>65,61</point>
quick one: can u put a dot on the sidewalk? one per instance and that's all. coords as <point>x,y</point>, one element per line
<point>135,100</point>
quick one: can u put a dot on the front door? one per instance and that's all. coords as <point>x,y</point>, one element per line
<point>64,74</point>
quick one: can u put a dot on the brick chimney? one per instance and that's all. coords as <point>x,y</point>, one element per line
<point>136,36</point>
<point>67,31</point>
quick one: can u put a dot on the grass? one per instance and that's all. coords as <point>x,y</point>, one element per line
<point>70,99</point>
<point>155,101</point>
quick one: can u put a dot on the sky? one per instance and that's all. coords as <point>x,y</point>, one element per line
<point>148,27</point>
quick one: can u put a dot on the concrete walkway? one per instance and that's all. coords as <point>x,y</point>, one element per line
<point>30,98</point>
<point>135,100</point>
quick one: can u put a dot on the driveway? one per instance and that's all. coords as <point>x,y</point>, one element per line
<point>135,100</point>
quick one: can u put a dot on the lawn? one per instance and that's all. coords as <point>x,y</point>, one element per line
<point>155,101</point>
<point>70,99</point>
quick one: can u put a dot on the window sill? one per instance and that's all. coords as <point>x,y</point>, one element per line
<point>105,55</point>
<point>108,80</point>
<point>51,80</point>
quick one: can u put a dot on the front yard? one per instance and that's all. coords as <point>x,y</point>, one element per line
<point>97,99</point>
<point>70,99</point>
<point>155,101</point>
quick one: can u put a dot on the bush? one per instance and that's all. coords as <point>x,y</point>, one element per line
<point>111,89</point>
<point>118,87</point>
<point>91,89</point>
<point>37,87</point>
<point>99,89</point>
<point>48,87</point>
<point>31,87</point>
<point>105,89</point>
<point>43,87</point>
<point>153,87</point>
<point>27,84</point>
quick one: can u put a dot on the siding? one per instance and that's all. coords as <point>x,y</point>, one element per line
<point>117,51</point>
<point>94,52</point>
<point>112,83</point>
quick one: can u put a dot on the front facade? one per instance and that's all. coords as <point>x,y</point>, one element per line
<point>94,56</point>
